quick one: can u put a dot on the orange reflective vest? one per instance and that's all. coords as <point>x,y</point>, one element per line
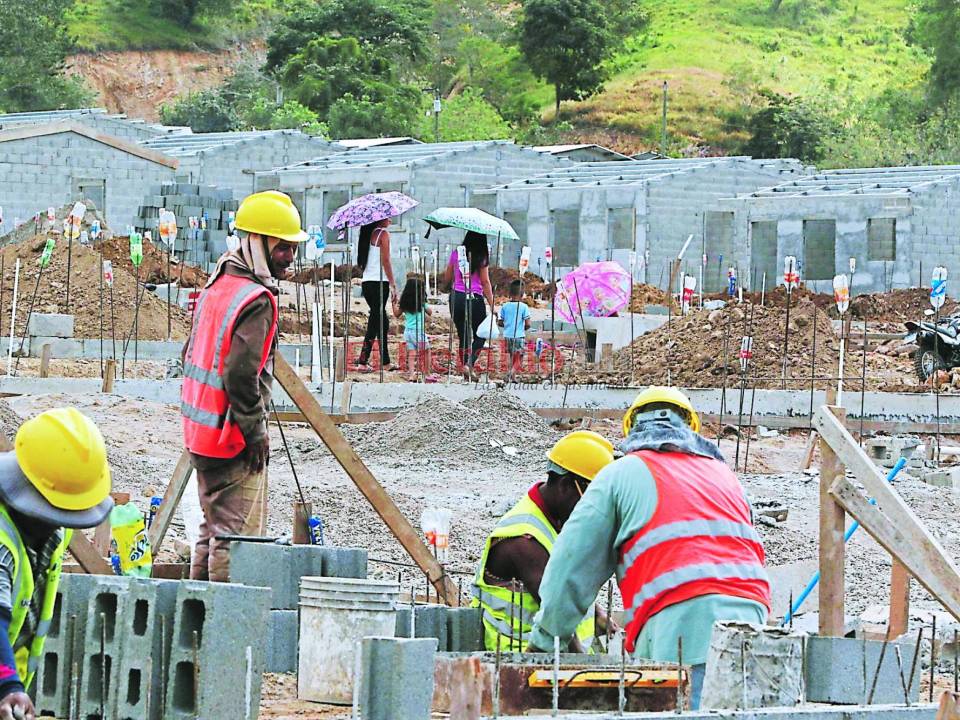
<point>700,541</point>
<point>207,427</point>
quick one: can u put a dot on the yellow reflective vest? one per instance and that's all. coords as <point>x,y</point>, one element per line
<point>28,656</point>
<point>508,615</point>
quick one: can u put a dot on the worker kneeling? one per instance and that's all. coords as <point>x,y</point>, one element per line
<point>507,585</point>
<point>673,522</point>
<point>56,478</point>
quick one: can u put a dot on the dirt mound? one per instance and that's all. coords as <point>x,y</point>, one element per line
<point>84,304</point>
<point>322,272</point>
<point>690,351</point>
<point>644,294</point>
<point>25,231</point>
<point>10,420</point>
<point>533,285</point>
<point>896,306</point>
<point>494,425</point>
<point>153,269</point>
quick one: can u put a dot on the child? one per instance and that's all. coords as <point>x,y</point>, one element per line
<point>515,321</point>
<point>413,306</point>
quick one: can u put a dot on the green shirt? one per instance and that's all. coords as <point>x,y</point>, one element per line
<point>414,321</point>
<point>618,503</point>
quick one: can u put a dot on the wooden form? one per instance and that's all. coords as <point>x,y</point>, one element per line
<point>171,499</point>
<point>832,549</point>
<point>109,375</point>
<point>45,360</point>
<point>890,521</point>
<point>88,556</point>
<point>381,501</point>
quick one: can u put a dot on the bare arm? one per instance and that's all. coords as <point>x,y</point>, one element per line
<point>448,277</point>
<point>520,558</point>
<point>385,260</point>
<point>485,284</point>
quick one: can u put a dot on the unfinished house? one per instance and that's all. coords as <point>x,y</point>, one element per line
<point>97,119</point>
<point>50,165</point>
<point>603,211</point>
<point>228,160</point>
<point>584,152</point>
<point>894,221</point>
<point>436,174</point>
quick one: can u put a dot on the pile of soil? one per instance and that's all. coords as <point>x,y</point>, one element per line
<point>896,306</point>
<point>306,275</point>
<point>644,294</point>
<point>10,420</point>
<point>27,230</point>
<point>533,285</point>
<point>777,297</point>
<point>689,351</point>
<point>494,425</point>
<point>153,269</point>
<point>84,305</point>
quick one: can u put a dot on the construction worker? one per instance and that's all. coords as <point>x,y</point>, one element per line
<point>227,381</point>
<point>673,522</point>
<point>507,585</point>
<point>56,478</point>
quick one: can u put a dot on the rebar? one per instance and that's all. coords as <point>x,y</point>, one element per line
<point>933,637</point>
<point>556,676</point>
<point>813,363</point>
<point>876,674</point>
<point>196,675</point>
<point>609,611</point>
<point>496,683</point>
<point>621,689</point>
<point>786,336</point>
<point>680,698</point>
<point>863,380</point>
<point>913,664</point>
<point>723,391</point>
<point>903,682</point>
<point>103,665</point>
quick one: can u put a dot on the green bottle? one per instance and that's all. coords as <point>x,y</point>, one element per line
<point>133,545</point>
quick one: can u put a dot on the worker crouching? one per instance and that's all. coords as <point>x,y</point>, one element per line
<point>227,380</point>
<point>672,521</point>
<point>507,585</point>
<point>55,480</point>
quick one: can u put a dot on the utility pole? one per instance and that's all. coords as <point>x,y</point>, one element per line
<point>663,125</point>
<point>437,107</point>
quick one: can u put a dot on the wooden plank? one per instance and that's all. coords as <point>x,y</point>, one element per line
<point>86,554</point>
<point>381,501</point>
<point>45,360</point>
<point>101,534</point>
<point>940,573</point>
<point>832,551</point>
<point>899,621</point>
<point>301,522</point>
<point>171,499</point>
<point>109,375</point>
<point>810,451</point>
<point>905,542</point>
<point>345,397</point>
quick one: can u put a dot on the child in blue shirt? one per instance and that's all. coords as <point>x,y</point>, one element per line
<point>515,321</point>
<point>412,305</point>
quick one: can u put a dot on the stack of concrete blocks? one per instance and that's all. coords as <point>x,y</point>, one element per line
<point>186,200</point>
<point>280,567</point>
<point>139,672</point>
<point>456,629</point>
<point>55,330</point>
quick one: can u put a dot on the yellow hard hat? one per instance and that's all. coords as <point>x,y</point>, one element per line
<point>62,454</point>
<point>582,452</point>
<point>271,213</point>
<point>660,394</point>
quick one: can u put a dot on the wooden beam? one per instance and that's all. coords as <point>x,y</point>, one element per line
<point>810,451</point>
<point>171,499</point>
<point>832,551</point>
<point>928,562</point>
<point>381,501</point>
<point>899,621</point>
<point>906,543</point>
<point>45,360</point>
<point>86,554</point>
<point>109,375</point>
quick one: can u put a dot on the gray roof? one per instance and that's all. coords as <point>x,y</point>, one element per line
<point>597,174</point>
<point>395,155</point>
<point>184,145</point>
<point>863,181</point>
<point>46,117</point>
<point>378,142</point>
<point>569,149</point>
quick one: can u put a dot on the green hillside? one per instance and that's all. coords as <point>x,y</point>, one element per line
<point>716,54</point>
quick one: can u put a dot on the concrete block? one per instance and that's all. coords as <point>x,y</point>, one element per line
<point>948,478</point>
<point>139,628</point>
<point>395,683</point>
<point>282,637</point>
<point>404,614</point>
<point>885,451</point>
<point>106,610</point>
<point>837,671</point>
<point>217,651</point>
<point>278,567</point>
<point>50,325</point>
<point>430,621</point>
<point>464,630</point>
<point>343,562</point>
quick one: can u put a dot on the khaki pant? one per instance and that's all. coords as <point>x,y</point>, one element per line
<point>234,502</point>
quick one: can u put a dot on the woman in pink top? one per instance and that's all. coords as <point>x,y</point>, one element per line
<point>466,303</point>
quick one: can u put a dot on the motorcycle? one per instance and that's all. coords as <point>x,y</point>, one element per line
<point>938,345</point>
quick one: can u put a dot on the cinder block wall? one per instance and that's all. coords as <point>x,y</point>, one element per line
<point>39,172</point>
<point>935,235</point>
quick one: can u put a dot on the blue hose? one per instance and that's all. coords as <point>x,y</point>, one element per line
<point>846,536</point>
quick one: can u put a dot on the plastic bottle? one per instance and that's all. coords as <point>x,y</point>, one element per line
<point>316,530</point>
<point>155,502</point>
<point>133,545</point>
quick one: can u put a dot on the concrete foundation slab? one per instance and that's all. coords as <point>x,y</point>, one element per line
<point>50,325</point>
<point>874,712</point>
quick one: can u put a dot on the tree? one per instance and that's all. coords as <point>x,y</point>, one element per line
<point>184,12</point>
<point>789,127</point>
<point>390,112</point>
<point>502,75</point>
<point>203,111</point>
<point>395,28</point>
<point>565,42</point>
<point>467,116</point>
<point>935,26</point>
<point>34,43</point>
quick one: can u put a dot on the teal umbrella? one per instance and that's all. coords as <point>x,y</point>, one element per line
<point>471,219</point>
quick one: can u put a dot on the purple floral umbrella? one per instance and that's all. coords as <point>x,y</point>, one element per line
<point>370,208</point>
<point>596,289</point>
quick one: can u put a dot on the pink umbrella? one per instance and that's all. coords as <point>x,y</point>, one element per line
<point>597,289</point>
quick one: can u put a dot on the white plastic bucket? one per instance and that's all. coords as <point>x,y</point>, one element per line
<point>335,615</point>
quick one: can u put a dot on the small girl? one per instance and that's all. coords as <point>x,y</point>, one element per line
<point>413,306</point>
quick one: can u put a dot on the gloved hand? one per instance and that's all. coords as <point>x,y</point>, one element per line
<point>17,706</point>
<point>258,455</point>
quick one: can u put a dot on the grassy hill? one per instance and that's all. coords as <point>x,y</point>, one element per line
<point>716,54</point>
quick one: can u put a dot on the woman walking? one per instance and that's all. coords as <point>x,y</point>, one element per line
<point>376,284</point>
<point>466,304</point>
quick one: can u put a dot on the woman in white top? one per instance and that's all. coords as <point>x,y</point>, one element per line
<point>376,283</point>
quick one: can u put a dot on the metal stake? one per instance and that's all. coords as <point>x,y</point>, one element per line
<point>903,682</point>
<point>680,698</point>
<point>556,676</point>
<point>196,676</point>
<point>863,380</point>
<point>813,365</point>
<point>933,630</point>
<point>103,665</point>
<point>786,338</point>
<point>621,689</point>
<point>520,644</point>
<point>496,683</point>
<point>913,664</point>
<point>609,610</point>
<point>876,674</point>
